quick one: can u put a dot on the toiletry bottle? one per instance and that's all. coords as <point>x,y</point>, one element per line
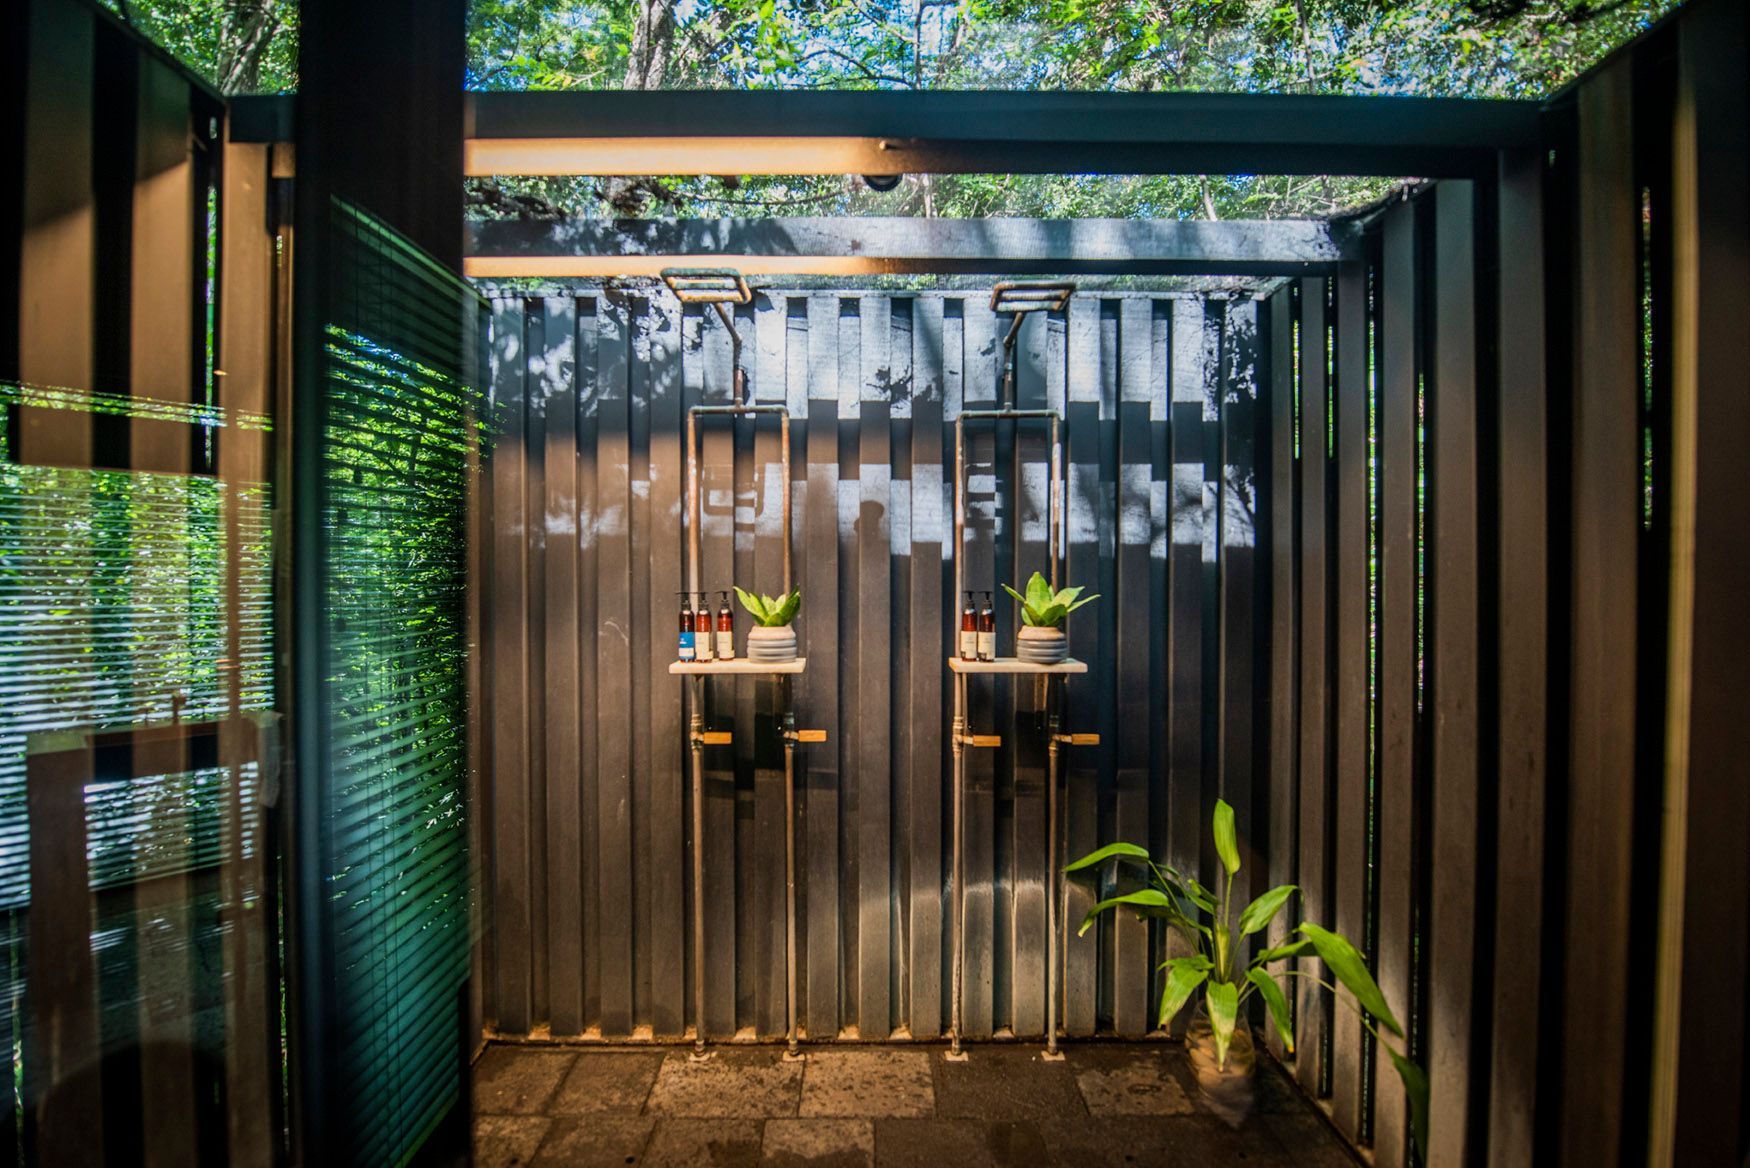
<point>702,627</point>
<point>725,630</point>
<point>987,631</point>
<point>968,631</point>
<point>688,652</point>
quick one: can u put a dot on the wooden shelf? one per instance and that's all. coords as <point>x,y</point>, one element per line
<point>739,665</point>
<point>1015,665</point>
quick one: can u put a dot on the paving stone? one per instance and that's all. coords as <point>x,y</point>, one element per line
<point>751,1084</point>
<point>959,1143</point>
<point>1309,1141</point>
<point>872,1083</point>
<point>688,1143</point>
<point>1130,1081</point>
<point>594,1141</point>
<point>819,1143</point>
<point>607,1081</point>
<point>1204,1139</point>
<point>518,1080</point>
<point>504,1141</point>
<point>1006,1083</point>
<point>1276,1092</point>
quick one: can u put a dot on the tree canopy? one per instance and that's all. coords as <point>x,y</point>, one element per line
<point>1466,48</point>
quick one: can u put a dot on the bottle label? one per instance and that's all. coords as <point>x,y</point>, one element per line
<point>726,644</point>
<point>968,644</point>
<point>702,642</point>
<point>688,653</point>
<point>987,646</point>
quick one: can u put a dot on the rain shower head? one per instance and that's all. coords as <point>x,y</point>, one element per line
<point>707,285</point>
<point>1031,295</point>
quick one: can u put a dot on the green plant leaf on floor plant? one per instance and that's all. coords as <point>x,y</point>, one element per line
<point>1143,899</point>
<point>1226,844</point>
<point>1224,1006</point>
<point>1292,949</point>
<point>1259,913</point>
<point>1416,1087</point>
<point>1277,1003</point>
<point>1121,850</point>
<point>1184,975</point>
<point>1344,961</point>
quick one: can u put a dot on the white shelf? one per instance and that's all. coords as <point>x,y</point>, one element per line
<point>1015,665</point>
<point>739,665</point>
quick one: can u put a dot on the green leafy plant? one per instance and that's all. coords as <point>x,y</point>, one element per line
<point>1217,967</point>
<point>1042,608</point>
<point>772,613</point>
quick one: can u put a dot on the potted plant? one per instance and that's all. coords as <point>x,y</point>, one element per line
<point>1042,640</point>
<point>771,641</point>
<point>1218,974</point>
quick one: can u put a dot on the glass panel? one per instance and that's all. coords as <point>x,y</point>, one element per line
<point>397,452</point>
<point>138,971</point>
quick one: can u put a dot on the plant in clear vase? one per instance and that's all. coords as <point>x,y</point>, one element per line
<point>1216,973</point>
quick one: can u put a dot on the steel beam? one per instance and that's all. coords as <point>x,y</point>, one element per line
<point>597,248</point>
<point>882,132</point>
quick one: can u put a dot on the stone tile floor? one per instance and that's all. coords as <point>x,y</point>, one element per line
<point>1107,1103</point>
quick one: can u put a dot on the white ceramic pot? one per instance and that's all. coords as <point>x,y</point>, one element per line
<point>1038,646</point>
<point>771,644</point>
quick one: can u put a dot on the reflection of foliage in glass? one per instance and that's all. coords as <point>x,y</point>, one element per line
<point>397,442</point>
<point>112,601</point>
<point>112,614</point>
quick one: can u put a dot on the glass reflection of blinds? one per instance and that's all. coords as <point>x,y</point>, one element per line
<point>395,459</point>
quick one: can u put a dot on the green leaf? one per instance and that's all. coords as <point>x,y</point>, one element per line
<point>1050,616</point>
<point>1124,850</point>
<point>1067,596</point>
<point>787,608</point>
<point>1292,949</point>
<point>1084,600</point>
<point>1416,1087</point>
<point>1016,595</point>
<point>754,604</point>
<point>1344,961</point>
<point>1038,591</point>
<point>1278,1005</point>
<point>1142,898</point>
<point>1199,896</point>
<point>1261,911</point>
<point>1224,1006</point>
<point>1196,961</point>
<point>1226,845</point>
<point>1183,978</point>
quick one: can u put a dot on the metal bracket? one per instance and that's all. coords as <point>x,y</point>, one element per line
<point>982,739</point>
<point>716,737</point>
<point>707,285</point>
<point>805,735</point>
<point>1078,739</point>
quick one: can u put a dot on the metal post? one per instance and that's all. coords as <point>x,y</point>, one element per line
<point>790,1038</point>
<point>959,745</point>
<point>954,1051</point>
<point>784,506</point>
<point>1054,880</point>
<point>698,735</point>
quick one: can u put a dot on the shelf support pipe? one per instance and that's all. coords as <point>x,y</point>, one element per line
<point>1057,538</point>
<point>738,406</point>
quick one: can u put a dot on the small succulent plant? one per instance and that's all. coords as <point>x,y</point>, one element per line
<point>772,613</point>
<point>1042,608</point>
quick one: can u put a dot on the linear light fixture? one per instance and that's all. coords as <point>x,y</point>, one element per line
<point>609,267</point>
<point>683,155</point>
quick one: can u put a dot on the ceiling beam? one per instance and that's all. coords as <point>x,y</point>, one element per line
<point>598,248</point>
<point>884,132</point>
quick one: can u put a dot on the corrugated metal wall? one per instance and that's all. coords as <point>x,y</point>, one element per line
<point>583,728</point>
